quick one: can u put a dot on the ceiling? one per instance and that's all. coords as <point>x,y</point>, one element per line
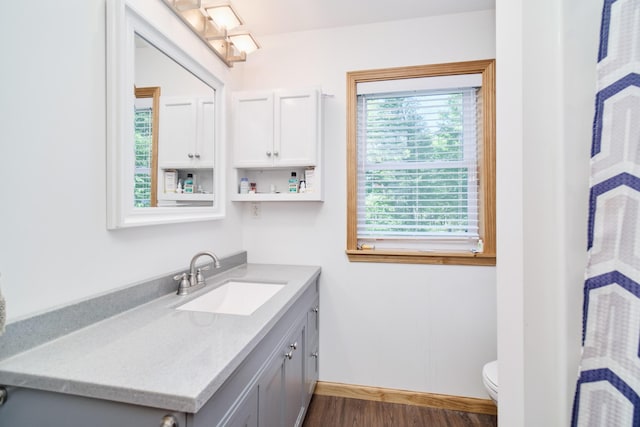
<point>264,17</point>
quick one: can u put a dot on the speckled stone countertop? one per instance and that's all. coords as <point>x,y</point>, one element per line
<point>157,356</point>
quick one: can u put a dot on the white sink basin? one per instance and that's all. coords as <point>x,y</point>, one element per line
<point>234,297</point>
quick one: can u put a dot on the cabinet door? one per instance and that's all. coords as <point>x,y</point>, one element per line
<point>281,387</point>
<point>313,321</point>
<point>271,392</point>
<point>312,365</point>
<point>294,387</point>
<point>296,127</point>
<point>246,414</point>
<point>206,133</point>
<point>253,129</point>
<point>178,132</point>
<point>312,353</point>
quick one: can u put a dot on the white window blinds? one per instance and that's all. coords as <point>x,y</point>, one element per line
<point>418,169</point>
<point>143,152</point>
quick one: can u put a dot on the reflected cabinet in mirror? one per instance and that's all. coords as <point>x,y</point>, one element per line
<point>164,127</point>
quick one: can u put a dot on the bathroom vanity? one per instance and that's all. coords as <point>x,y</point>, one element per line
<point>156,365</point>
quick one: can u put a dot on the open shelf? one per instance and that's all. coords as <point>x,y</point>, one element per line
<point>277,197</point>
<point>186,197</point>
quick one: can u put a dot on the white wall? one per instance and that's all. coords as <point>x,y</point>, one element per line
<point>415,327</point>
<point>546,56</point>
<point>54,246</point>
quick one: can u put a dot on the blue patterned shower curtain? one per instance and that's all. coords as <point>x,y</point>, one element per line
<point>608,389</point>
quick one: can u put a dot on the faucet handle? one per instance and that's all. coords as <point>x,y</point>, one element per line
<point>184,283</point>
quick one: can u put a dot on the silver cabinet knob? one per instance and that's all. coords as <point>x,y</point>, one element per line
<point>315,309</point>
<point>293,347</point>
<point>275,153</point>
<point>190,155</point>
<point>169,421</point>
<point>269,153</point>
<point>314,354</point>
<point>197,155</point>
<point>4,395</point>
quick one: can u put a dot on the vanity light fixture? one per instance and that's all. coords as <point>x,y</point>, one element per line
<point>224,16</point>
<point>212,23</point>
<point>186,4</point>
<point>244,42</point>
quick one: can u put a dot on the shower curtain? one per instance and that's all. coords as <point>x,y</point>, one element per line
<point>608,387</point>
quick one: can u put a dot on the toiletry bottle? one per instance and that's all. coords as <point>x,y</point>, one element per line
<point>309,177</point>
<point>188,183</point>
<point>303,186</point>
<point>244,185</point>
<point>293,183</point>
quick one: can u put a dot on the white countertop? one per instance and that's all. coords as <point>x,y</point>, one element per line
<point>157,356</point>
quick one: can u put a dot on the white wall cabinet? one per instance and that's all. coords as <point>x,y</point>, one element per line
<point>186,133</point>
<point>275,133</point>
<point>253,129</point>
<point>276,129</point>
<point>186,143</point>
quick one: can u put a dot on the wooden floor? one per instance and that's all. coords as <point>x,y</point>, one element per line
<point>330,411</point>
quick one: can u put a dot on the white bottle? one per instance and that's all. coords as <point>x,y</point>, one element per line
<point>244,185</point>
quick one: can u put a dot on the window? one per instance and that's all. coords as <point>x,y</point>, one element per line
<point>146,147</point>
<point>421,165</point>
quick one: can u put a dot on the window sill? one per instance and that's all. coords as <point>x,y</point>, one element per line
<point>403,257</point>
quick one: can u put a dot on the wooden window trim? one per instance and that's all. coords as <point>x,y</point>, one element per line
<point>487,165</point>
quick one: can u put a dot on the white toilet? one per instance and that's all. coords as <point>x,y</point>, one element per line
<point>490,379</point>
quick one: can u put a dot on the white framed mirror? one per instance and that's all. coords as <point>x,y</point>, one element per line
<point>165,159</point>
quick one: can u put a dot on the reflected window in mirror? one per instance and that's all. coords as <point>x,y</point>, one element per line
<point>146,147</point>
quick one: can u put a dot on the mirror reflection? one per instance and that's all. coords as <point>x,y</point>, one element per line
<point>174,128</point>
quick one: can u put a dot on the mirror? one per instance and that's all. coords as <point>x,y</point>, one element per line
<point>174,132</point>
<point>164,128</point>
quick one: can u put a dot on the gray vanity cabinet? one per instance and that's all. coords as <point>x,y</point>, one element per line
<point>274,385</point>
<point>271,387</point>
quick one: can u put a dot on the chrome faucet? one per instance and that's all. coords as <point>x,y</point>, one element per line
<point>195,279</point>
